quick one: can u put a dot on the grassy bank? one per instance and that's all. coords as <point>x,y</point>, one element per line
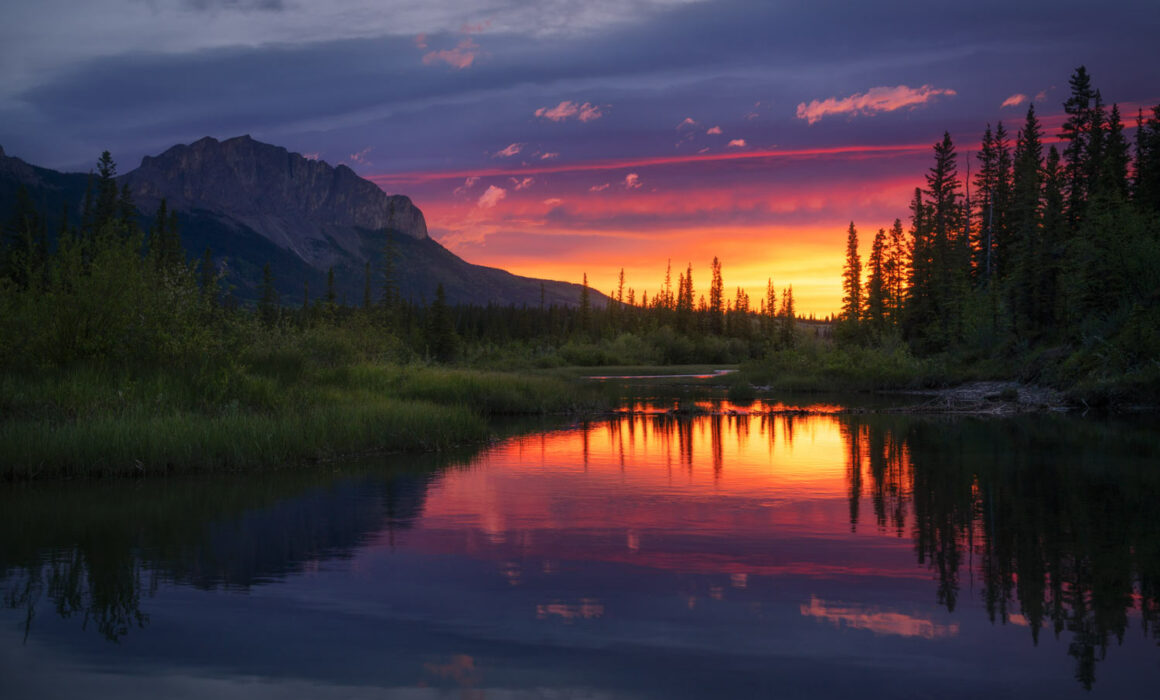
<point>270,412</point>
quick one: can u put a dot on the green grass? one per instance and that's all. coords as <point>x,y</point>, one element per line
<point>275,412</point>
<point>820,366</point>
<point>141,443</point>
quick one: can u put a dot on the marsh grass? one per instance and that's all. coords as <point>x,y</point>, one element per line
<point>281,409</point>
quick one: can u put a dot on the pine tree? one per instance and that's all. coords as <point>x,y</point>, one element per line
<point>948,251</point>
<point>1025,224</point>
<point>1113,177</point>
<point>717,299</point>
<point>852,278</point>
<point>331,296</point>
<point>896,269</point>
<point>366,286</point>
<point>1077,131</point>
<point>876,291</point>
<point>442,340</point>
<point>209,281</point>
<point>268,302</point>
<point>1054,222</point>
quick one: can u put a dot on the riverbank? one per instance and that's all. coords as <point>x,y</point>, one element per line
<point>87,422</point>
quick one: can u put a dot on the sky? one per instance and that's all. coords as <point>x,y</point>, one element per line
<point>570,137</point>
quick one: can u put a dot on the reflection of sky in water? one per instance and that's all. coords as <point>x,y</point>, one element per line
<point>645,556</point>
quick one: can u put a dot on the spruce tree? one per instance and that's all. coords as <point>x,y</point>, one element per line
<point>268,302</point>
<point>876,290</point>
<point>717,299</point>
<point>1025,224</point>
<point>852,278</point>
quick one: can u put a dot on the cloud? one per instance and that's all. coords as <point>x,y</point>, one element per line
<point>509,151</point>
<point>549,156</point>
<point>686,123</point>
<point>737,143</point>
<point>750,116</point>
<point>703,150</point>
<point>522,183</point>
<point>460,57</point>
<point>421,41</point>
<point>714,130</point>
<point>315,155</point>
<point>632,181</point>
<point>467,184</point>
<point>361,156</point>
<point>1041,95</point>
<point>600,188</point>
<point>1014,100</point>
<point>553,202</point>
<point>873,101</point>
<point>491,197</point>
<point>566,109</point>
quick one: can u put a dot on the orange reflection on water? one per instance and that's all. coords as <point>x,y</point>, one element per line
<point>635,488</point>
<point>877,621</point>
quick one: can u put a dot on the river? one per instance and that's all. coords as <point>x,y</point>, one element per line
<point>731,554</point>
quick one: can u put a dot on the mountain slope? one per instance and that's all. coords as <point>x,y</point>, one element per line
<point>254,204</point>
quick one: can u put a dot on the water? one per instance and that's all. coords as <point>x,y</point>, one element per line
<point>649,555</point>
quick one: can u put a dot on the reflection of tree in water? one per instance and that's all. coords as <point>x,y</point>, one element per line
<point>92,551</point>
<point>1056,518</point>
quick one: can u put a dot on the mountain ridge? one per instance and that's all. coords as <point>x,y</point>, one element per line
<point>254,203</point>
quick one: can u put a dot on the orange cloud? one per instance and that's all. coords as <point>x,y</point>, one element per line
<point>737,143</point>
<point>491,197</point>
<point>1014,100</point>
<point>568,109</point>
<point>459,57</point>
<point>632,181</point>
<point>873,101</point>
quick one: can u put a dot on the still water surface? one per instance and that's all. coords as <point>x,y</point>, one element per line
<point>647,555</point>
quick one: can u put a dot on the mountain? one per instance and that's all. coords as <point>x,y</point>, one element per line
<point>253,203</point>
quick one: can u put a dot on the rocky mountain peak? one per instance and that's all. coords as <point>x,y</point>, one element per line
<point>301,204</point>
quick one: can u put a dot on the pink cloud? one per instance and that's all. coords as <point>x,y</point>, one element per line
<point>1041,95</point>
<point>632,181</point>
<point>491,197</point>
<point>553,202</point>
<point>549,156</point>
<point>1014,100</point>
<point>467,184</point>
<point>737,143</point>
<point>565,110</point>
<point>704,150</point>
<point>421,41</point>
<point>460,57</point>
<point>599,188</point>
<point>523,183</point>
<point>361,156</point>
<point>312,156</point>
<point>873,101</point>
<point>509,151</point>
<point>686,123</point>
<point>750,116</point>
<point>714,130</point>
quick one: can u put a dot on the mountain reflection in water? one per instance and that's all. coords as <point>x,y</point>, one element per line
<point>735,552</point>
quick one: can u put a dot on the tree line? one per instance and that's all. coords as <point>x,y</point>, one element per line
<point>1049,244</point>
